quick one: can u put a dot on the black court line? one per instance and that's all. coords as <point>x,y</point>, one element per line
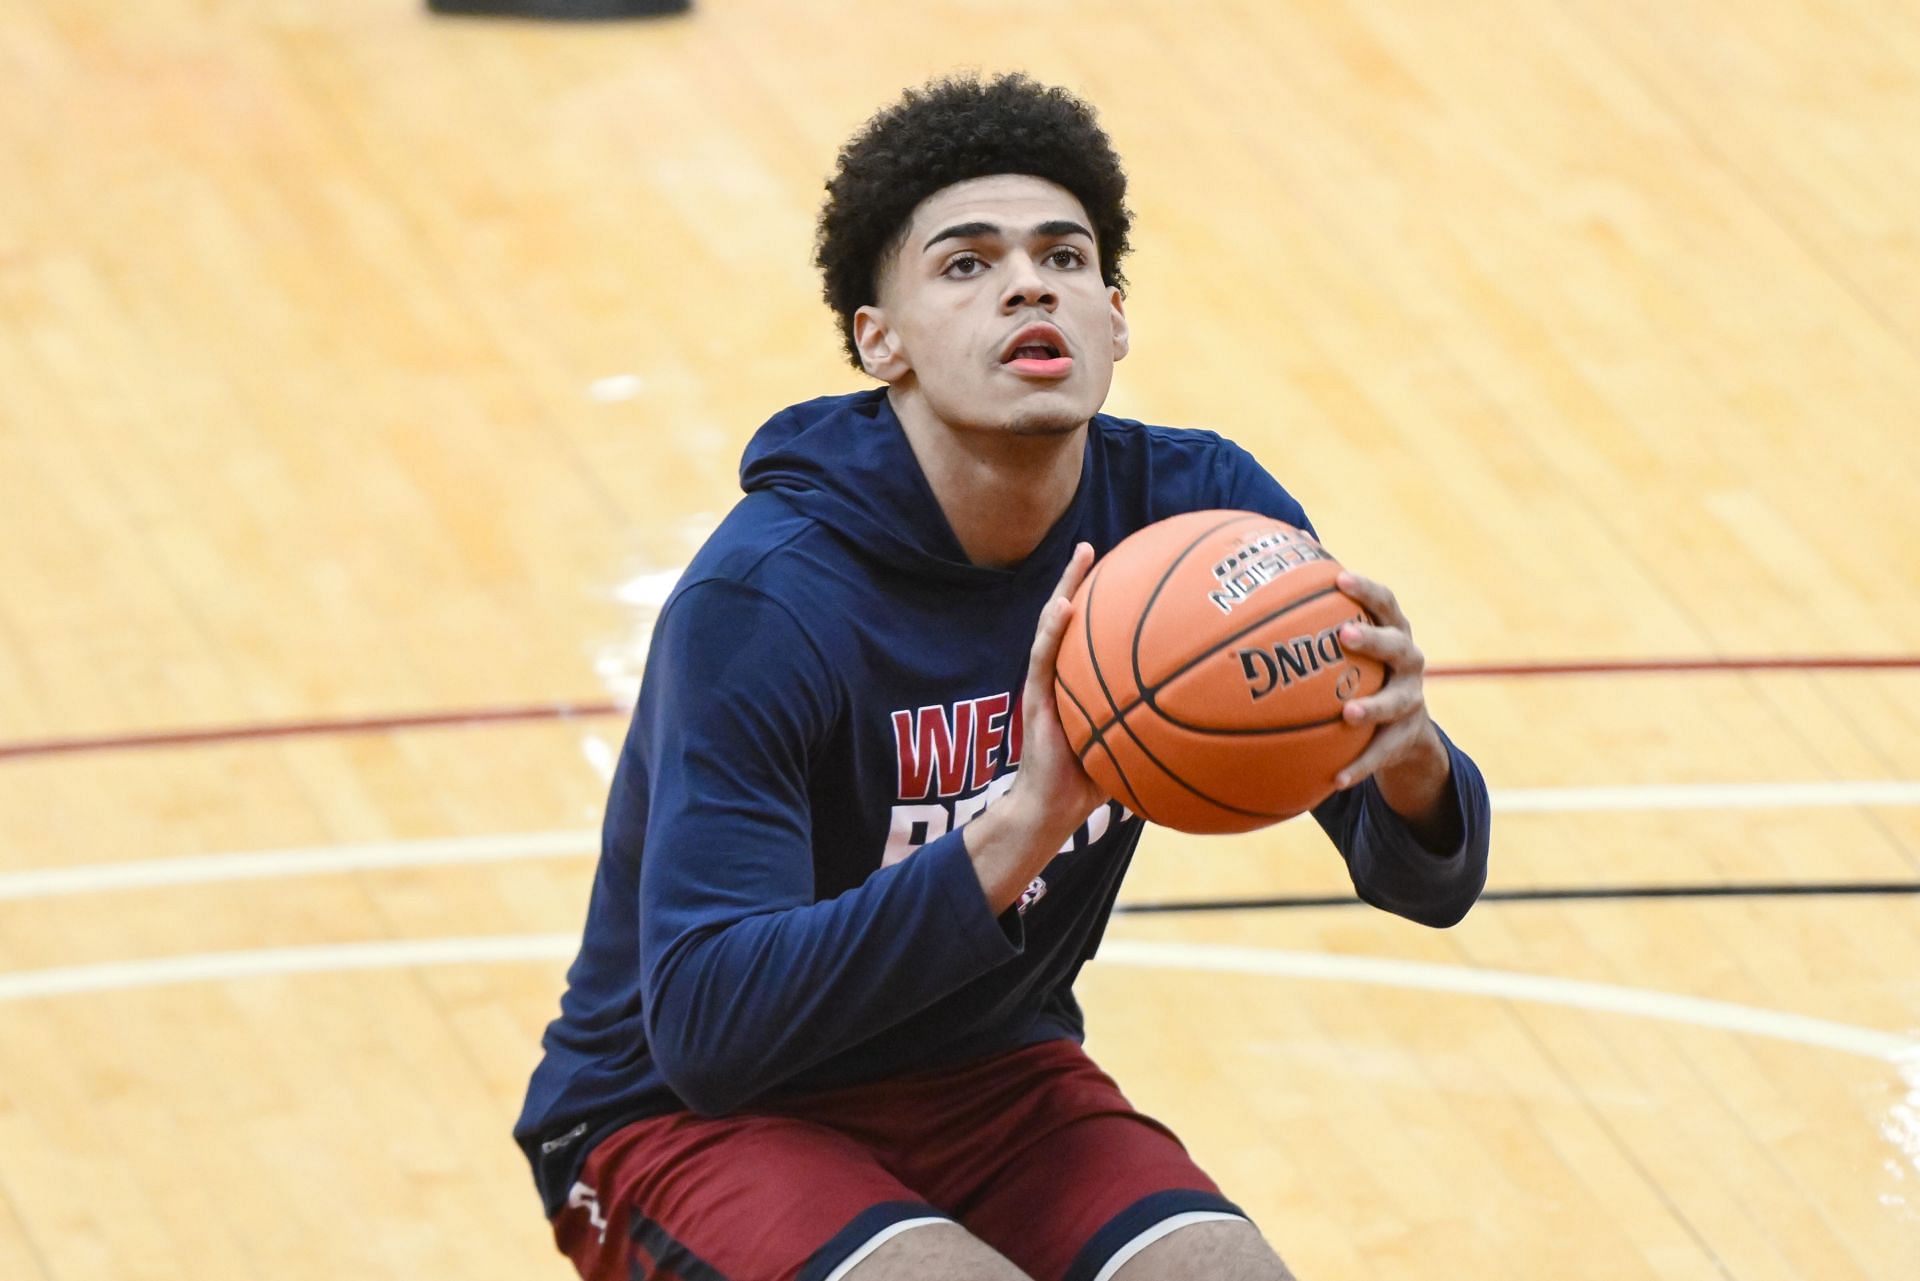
<point>1806,890</point>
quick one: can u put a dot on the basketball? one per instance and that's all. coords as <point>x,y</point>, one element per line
<point>1201,678</point>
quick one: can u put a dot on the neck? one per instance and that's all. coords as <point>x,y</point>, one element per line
<point>1000,489</point>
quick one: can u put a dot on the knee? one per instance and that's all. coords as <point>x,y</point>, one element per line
<point>1221,1250</point>
<point>944,1250</point>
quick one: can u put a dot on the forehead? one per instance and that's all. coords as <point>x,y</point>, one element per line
<point>1011,200</point>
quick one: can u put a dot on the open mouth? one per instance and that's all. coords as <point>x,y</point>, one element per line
<point>1038,351</point>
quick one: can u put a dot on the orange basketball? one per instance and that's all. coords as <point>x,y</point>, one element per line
<point>1202,677</point>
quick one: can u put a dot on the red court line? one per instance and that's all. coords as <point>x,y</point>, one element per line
<point>539,712</point>
<point>531,712</point>
<point>1656,666</point>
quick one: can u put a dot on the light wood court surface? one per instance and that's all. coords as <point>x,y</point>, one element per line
<point>355,364</point>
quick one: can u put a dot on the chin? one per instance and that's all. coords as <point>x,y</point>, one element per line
<point>1049,413</point>
<point>1045,423</point>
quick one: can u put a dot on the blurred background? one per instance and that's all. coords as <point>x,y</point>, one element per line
<point>367,375</point>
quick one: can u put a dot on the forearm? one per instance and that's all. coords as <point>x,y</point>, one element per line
<point>1419,788</point>
<point>1009,847</point>
<point>1397,867</point>
<point>735,1010</point>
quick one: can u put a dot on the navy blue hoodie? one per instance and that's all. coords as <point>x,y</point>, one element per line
<point>783,900</point>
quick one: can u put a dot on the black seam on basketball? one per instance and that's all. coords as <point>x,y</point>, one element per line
<point>1386,678</point>
<point>1146,611</point>
<point>1093,656</point>
<point>1093,739</point>
<point>1120,713</point>
<point>1162,767</point>
<point>1146,695</point>
<point>1133,797</point>
<point>1096,739</point>
<point>1148,691</point>
<point>1216,732</point>
<point>1097,734</point>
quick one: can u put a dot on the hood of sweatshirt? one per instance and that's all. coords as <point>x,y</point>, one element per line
<point>845,462</point>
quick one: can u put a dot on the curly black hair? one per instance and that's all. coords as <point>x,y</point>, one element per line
<point>946,132</point>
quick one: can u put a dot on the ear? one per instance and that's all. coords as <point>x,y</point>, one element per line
<point>1117,313</point>
<point>879,345</point>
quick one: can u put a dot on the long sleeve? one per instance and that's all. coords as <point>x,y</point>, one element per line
<point>1390,867</point>
<point>746,979</point>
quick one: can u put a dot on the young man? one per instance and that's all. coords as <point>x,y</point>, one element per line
<point>822,1023</point>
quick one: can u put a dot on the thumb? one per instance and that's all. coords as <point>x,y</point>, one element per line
<point>1046,646</point>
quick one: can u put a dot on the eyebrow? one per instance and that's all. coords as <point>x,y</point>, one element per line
<point>974,230</point>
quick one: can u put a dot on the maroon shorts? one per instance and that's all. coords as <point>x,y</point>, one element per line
<point>1035,1152</point>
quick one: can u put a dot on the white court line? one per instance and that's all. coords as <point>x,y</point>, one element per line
<point>117,976</point>
<point>323,860</point>
<point>1536,989</point>
<point>1539,989</point>
<point>1895,793</point>
<point>202,869</point>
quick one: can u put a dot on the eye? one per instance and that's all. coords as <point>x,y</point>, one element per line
<point>964,265</point>
<point>1066,256</point>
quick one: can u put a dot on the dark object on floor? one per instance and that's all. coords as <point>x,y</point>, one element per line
<point>561,8</point>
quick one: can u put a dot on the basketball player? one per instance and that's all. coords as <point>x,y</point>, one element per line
<point>821,1024</point>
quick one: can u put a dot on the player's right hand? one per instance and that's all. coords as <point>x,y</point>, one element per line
<point>1051,795</point>
<point>1051,784</point>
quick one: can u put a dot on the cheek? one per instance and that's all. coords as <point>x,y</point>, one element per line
<point>1101,351</point>
<point>939,333</point>
<point>950,347</point>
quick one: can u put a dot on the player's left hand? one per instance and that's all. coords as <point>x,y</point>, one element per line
<point>1406,753</point>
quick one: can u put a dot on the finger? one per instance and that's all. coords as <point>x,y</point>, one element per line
<point>1386,745</point>
<point>1054,618</point>
<point>1390,645</point>
<point>1077,566</point>
<point>1046,645</point>
<point>1379,601</point>
<point>1395,702</point>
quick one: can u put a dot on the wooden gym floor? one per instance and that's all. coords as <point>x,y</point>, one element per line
<point>364,377</point>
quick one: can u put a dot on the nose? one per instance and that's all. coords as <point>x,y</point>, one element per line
<point>1025,286</point>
